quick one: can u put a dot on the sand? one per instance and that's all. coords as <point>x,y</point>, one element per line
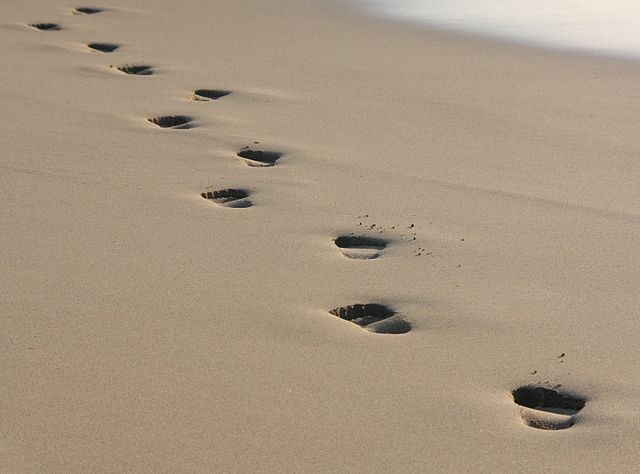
<point>146,329</point>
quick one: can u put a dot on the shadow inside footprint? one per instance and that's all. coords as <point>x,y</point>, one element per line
<point>547,409</point>
<point>172,121</point>
<point>236,198</point>
<point>46,26</point>
<point>360,247</point>
<point>139,70</point>
<point>259,157</point>
<point>373,317</point>
<point>104,47</point>
<point>209,94</point>
<point>87,10</point>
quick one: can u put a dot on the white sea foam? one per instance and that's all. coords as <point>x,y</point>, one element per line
<point>607,27</point>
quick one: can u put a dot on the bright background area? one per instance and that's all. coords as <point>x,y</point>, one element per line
<point>606,27</point>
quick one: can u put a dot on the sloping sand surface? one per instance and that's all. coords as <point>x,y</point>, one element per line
<point>146,329</point>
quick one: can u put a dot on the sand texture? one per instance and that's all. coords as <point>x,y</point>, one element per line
<point>173,298</point>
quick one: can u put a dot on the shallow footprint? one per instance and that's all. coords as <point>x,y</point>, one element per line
<point>360,247</point>
<point>236,198</point>
<point>172,121</point>
<point>259,158</point>
<point>373,317</point>
<point>87,10</point>
<point>103,47</point>
<point>46,26</point>
<point>136,70</point>
<point>209,94</point>
<point>547,409</point>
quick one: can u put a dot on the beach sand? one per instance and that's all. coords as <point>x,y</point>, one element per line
<point>146,329</point>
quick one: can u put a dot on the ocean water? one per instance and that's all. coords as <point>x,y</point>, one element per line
<point>610,27</point>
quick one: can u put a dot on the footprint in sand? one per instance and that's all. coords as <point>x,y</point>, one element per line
<point>136,70</point>
<point>172,121</point>
<point>547,409</point>
<point>373,317</point>
<point>209,94</point>
<point>46,26</point>
<point>236,198</point>
<point>259,158</point>
<point>360,247</point>
<point>87,10</point>
<point>103,47</point>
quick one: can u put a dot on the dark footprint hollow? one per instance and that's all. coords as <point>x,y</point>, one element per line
<point>549,409</point>
<point>373,317</point>
<point>172,121</point>
<point>260,157</point>
<point>139,70</point>
<point>46,26</point>
<point>104,47</point>
<point>212,94</point>
<point>360,247</point>
<point>228,197</point>
<point>87,10</point>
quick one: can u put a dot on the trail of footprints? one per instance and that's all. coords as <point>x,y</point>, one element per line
<point>540,407</point>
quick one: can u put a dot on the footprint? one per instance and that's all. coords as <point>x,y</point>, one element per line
<point>104,47</point>
<point>172,121</point>
<point>137,70</point>
<point>236,198</point>
<point>360,247</point>
<point>209,94</point>
<point>259,158</point>
<point>46,26</point>
<point>87,10</point>
<point>547,409</point>
<point>373,317</point>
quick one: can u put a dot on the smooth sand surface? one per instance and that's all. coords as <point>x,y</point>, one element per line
<point>146,329</point>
